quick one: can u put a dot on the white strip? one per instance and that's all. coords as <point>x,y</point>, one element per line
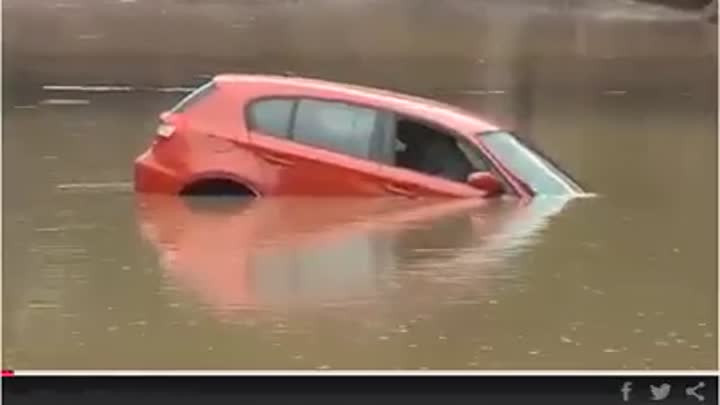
<point>128,373</point>
<point>615,92</point>
<point>482,92</point>
<point>65,102</point>
<point>175,89</point>
<point>88,88</point>
<point>93,186</point>
<point>109,89</point>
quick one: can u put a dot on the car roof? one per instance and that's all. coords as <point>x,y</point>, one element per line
<point>402,103</point>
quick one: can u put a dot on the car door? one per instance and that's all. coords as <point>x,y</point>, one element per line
<point>316,147</point>
<point>411,183</point>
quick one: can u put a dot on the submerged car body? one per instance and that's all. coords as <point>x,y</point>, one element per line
<point>273,135</point>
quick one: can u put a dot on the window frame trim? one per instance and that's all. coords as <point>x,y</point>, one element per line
<point>384,116</point>
<point>389,119</point>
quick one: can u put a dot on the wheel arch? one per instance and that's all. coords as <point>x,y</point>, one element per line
<point>219,183</point>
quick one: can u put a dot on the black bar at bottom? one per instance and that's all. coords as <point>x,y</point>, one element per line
<point>365,390</point>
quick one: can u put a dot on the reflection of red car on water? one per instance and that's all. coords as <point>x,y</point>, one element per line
<point>295,252</point>
<point>267,135</point>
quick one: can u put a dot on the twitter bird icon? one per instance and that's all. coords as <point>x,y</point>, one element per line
<point>660,393</point>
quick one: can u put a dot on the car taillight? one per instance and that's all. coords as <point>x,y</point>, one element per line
<point>165,130</point>
<point>169,124</point>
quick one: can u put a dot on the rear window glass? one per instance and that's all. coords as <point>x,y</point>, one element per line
<point>193,98</point>
<point>272,117</point>
<point>335,126</point>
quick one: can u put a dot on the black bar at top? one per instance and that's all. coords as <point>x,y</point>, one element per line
<point>355,390</point>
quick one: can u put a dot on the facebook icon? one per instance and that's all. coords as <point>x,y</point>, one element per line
<point>625,390</point>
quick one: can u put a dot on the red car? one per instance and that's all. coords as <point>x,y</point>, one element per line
<point>262,135</point>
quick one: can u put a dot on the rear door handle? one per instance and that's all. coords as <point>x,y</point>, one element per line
<point>399,190</point>
<point>277,160</point>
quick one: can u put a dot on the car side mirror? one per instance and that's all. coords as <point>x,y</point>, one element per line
<point>486,181</point>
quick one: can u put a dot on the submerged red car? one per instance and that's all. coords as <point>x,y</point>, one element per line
<point>261,135</point>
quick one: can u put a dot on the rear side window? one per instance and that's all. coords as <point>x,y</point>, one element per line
<point>272,117</point>
<point>335,126</point>
<point>193,98</point>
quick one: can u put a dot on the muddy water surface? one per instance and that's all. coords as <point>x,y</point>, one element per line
<point>622,95</point>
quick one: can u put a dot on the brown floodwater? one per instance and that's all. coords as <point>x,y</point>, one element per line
<point>623,95</point>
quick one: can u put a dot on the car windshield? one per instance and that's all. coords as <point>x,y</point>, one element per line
<point>537,172</point>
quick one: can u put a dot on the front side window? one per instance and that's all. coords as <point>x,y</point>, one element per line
<point>335,126</point>
<point>271,116</point>
<point>428,150</point>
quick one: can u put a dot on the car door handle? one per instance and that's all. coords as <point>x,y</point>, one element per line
<point>277,160</point>
<point>399,190</point>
